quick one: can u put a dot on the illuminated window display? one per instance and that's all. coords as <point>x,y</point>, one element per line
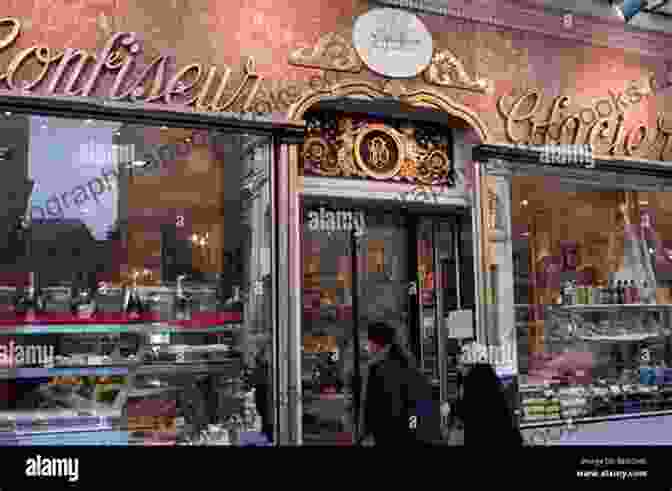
<point>591,297</point>
<point>136,284</point>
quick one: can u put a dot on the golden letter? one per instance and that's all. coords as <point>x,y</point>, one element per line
<point>173,88</point>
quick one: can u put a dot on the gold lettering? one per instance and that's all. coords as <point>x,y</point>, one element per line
<point>513,118</point>
<point>199,102</point>
<point>632,145</point>
<point>108,59</point>
<point>177,86</point>
<point>565,128</point>
<point>43,56</point>
<point>156,71</point>
<point>666,133</point>
<point>67,58</point>
<point>596,132</point>
<point>249,74</point>
<point>15,29</point>
<point>249,101</point>
<point>594,115</point>
<point>602,124</point>
<point>617,141</point>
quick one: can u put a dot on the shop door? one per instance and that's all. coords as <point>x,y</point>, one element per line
<point>391,257</point>
<point>443,308</point>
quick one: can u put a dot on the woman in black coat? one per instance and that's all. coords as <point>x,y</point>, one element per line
<point>485,412</point>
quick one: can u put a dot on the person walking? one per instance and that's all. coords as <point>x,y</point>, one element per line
<point>399,408</point>
<point>486,415</point>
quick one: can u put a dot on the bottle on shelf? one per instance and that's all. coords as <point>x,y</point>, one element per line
<point>31,302</point>
<point>83,304</point>
<point>630,293</point>
<point>183,301</point>
<point>571,293</point>
<point>563,294</point>
<point>133,304</point>
<point>635,292</point>
<point>619,293</point>
<point>644,292</point>
<point>605,296</point>
<point>613,293</point>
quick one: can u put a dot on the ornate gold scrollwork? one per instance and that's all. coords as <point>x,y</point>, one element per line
<point>434,167</point>
<point>379,151</point>
<point>448,71</point>
<point>332,52</point>
<point>318,151</point>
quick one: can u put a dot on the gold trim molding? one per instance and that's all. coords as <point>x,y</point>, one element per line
<point>424,97</point>
<point>446,70</point>
<point>332,52</point>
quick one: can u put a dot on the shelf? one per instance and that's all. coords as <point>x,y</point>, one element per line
<point>611,307</point>
<point>157,328</point>
<point>118,369</point>
<point>594,419</point>
<point>187,368</point>
<point>623,338</point>
<point>198,319</point>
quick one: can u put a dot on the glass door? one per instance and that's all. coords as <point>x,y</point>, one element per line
<point>445,301</point>
<point>382,265</point>
<point>343,247</point>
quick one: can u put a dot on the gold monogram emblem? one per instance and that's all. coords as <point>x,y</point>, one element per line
<point>379,153</point>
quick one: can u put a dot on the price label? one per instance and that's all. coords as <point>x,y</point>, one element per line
<point>160,338</point>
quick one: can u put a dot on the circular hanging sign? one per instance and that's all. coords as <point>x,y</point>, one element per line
<point>393,43</point>
<point>379,152</point>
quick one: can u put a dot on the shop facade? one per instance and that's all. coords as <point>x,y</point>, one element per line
<point>403,198</point>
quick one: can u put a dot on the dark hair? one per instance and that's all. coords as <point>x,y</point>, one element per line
<point>485,410</point>
<point>382,333</point>
<point>385,335</point>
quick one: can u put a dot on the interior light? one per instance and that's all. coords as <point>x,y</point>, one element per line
<point>88,121</point>
<point>140,163</point>
<point>8,113</point>
<point>524,203</point>
<point>627,9</point>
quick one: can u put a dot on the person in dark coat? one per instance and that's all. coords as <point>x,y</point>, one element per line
<point>261,381</point>
<point>485,412</point>
<point>398,407</point>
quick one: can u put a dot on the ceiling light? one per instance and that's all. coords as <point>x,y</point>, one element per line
<point>8,113</point>
<point>140,163</point>
<point>627,9</point>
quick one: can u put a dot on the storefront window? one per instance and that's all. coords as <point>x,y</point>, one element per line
<point>143,253</point>
<point>592,292</point>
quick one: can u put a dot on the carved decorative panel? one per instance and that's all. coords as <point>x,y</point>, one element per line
<point>343,145</point>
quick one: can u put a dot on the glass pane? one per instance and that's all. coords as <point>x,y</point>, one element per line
<point>143,251</point>
<point>592,288</point>
<point>330,372</point>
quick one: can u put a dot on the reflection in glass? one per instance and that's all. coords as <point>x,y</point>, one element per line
<point>165,230</point>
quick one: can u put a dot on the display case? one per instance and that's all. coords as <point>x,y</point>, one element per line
<point>577,271</point>
<point>146,383</point>
<point>137,308</point>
